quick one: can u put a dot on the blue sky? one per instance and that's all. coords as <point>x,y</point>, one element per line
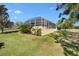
<point>25,11</point>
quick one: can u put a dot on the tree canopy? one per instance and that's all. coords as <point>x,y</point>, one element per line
<point>71,10</point>
<point>4,18</point>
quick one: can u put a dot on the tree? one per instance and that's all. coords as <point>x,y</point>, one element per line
<point>59,23</point>
<point>71,9</point>
<point>65,24</point>
<point>9,24</point>
<point>3,17</point>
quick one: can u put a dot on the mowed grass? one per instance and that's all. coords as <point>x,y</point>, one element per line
<point>17,44</point>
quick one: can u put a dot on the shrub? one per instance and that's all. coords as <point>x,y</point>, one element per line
<point>18,24</point>
<point>39,32</point>
<point>70,47</point>
<point>36,31</point>
<point>33,30</point>
<point>57,36</point>
<point>25,28</point>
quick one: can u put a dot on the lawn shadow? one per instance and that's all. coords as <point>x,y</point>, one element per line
<point>7,32</point>
<point>2,45</point>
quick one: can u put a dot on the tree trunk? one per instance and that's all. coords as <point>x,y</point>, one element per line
<point>2,29</point>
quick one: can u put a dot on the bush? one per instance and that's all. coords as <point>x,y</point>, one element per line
<point>36,31</point>
<point>39,32</point>
<point>18,24</point>
<point>25,28</point>
<point>57,36</point>
<point>70,47</point>
<point>33,30</point>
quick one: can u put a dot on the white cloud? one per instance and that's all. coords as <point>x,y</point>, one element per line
<point>17,11</point>
<point>52,8</point>
<point>9,10</point>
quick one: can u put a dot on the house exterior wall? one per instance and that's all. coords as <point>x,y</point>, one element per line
<point>45,31</point>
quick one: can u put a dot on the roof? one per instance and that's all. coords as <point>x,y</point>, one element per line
<point>40,21</point>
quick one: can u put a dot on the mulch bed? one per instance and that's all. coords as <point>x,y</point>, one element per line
<point>74,37</point>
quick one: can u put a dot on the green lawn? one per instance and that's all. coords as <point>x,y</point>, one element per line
<point>17,44</point>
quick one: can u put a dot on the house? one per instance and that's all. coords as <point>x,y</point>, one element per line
<point>40,22</point>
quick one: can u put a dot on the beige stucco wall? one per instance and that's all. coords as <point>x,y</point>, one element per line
<point>45,30</point>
